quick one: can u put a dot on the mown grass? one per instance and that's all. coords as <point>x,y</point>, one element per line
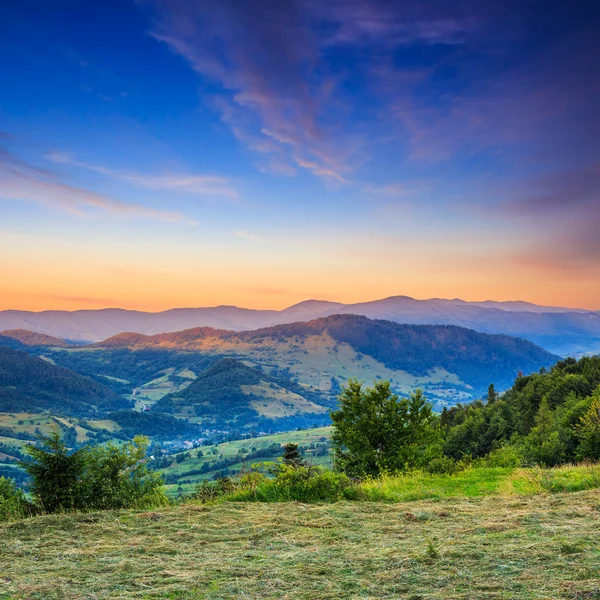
<point>518,547</point>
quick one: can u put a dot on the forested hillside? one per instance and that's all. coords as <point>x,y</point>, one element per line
<point>549,417</point>
<point>230,393</point>
<point>30,384</point>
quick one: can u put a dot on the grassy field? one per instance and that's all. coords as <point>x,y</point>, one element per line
<point>512,547</point>
<point>229,450</point>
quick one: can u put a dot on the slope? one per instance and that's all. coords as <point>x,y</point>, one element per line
<point>450,363</point>
<point>30,384</point>
<point>32,338</point>
<point>229,392</point>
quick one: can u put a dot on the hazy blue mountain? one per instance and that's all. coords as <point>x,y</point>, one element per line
<point>560,330</point>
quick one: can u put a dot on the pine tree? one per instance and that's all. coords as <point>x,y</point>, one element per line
<point>292,456</point>
<point>56,473</point>
<point>492,395</point>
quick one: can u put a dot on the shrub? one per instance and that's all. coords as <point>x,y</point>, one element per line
<point>118,477</point>
<point>13,504</point>
<point>505,456</point>
<point>444,465</point>
<point>105,477</point>
<point>299,484</point>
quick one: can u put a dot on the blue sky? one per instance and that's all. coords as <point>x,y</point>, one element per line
<point>263,153</point>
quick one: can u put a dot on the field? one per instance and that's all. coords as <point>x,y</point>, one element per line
<point>230,450</point>
<point>517,547</point>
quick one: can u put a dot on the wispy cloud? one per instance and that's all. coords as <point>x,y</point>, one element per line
<point>20,180</point>
<point>248,236</point>
<point>204,185</point>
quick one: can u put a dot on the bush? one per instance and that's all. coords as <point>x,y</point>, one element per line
<point>118,477</point>
<point>13,504</point>
<point>299,484</point>
<point>444,465</point>
<point>505,456</point>
<point>105,477</point>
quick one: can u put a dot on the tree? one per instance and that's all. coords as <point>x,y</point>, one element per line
<point>292,457</point>
<point>376,432</point>
<point>492,395</point>
<point>56,473</point>
<point>588,431</point>
<point>99,478</point>
<point>118,477</point>
<point>543,444</point>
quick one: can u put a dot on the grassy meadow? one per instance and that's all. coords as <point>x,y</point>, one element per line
<point>229,450</point>
<point>489,547</point>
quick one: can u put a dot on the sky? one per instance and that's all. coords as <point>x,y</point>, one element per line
<point>168,153</point>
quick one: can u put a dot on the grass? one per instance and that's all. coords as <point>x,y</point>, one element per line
<point>538,547</point>
<point>303,437</point>
<point>477,482</point>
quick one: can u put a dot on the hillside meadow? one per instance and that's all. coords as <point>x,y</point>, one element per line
<point>538,546</point>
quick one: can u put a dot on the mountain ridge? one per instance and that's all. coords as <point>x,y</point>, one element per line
<point>563,331</point>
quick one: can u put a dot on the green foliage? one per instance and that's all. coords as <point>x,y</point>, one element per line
<point>588,431</point>
<point>118,477</point>
<point>292,457</point>
<point>375,432</point>
<point>29,384</point>
<point>13,503</point>
<point>290,483</point>
<point>442,465</point>
<point>56,474</point>
<point>98,478</point>
<point>540,416</point>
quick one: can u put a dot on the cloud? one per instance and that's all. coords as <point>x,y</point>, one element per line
<point>246,235</point>
<point>394,189</point>
<point>204,185</point>
<point>20,180</point>
<point>566,206</point>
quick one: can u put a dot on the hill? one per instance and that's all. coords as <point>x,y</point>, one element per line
<point>560,330</point>
<point>32,338</point>
<point>506,546</point>
<point>448,362</point>
<point>229,393</point>
<point>30,384</point>
<point>183,470</point>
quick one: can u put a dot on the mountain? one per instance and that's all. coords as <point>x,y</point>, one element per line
<point>30,384</point>
<point>32,338</point>
<point>563,331</point>
<point>451,363</point>
<point>231,393</point>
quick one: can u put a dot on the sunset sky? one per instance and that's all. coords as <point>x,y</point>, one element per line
<point>168,153</point>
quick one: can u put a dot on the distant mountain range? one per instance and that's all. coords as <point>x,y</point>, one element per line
<point>451,363</point>
<point>563,331</point>
<point>282,376</point>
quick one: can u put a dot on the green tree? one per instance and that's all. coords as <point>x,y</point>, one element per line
<point>292,457</point>
<point>543,444</point>
<point>56,473</point>
<point>492,394</point>
<point>588,431</point>
<point>375,432</point>
<point>13,503</point>
<point>118,477</point>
